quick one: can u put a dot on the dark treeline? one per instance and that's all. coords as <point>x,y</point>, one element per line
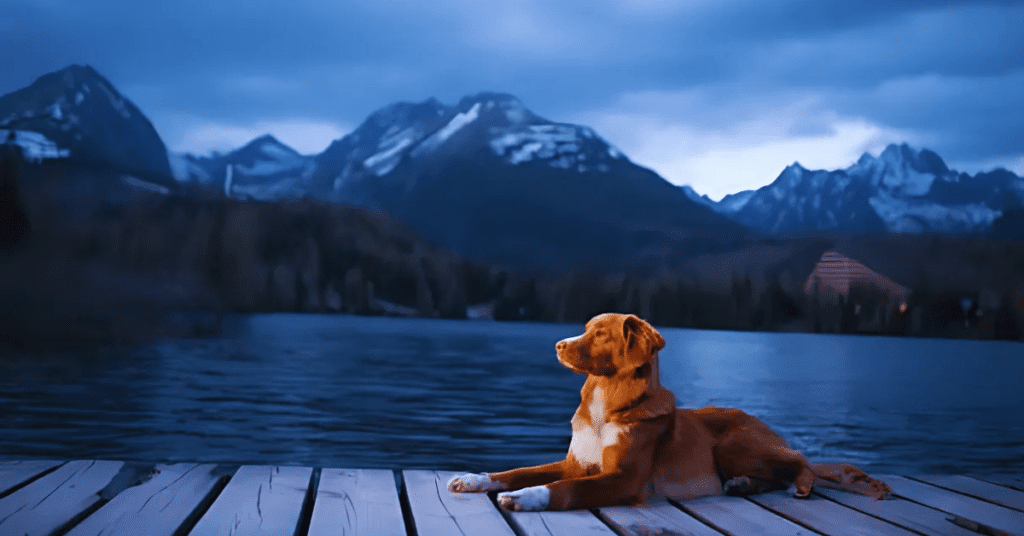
<point>747,303</point>
<point>175,253</point>
<point>98,270</point>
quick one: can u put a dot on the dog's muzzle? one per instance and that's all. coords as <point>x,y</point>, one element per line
<point>561,349</point>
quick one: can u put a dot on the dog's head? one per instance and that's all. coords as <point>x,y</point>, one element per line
<point>613,344</point>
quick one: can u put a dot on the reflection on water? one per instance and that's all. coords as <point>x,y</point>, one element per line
<point>342,391</point>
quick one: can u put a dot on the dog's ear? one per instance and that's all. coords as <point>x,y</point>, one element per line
<point>657,342</point>
<point>640,335</point>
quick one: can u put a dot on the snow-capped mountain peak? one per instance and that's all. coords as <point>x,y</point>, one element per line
<point>265,156</point>
<point>83,114</point>
<point>66,91</point>
<point>510,108</point>
<point>901,190</point>
<point>264,148</point>
<point>490,122</point>
<point>264,168</point>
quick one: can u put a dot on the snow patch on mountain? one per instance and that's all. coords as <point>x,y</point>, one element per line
<point>276,152</point>
<point>270,157</point>
<point>908,181</point>
<point>264,167</point>
<point>515,112</point>
<point>395,134</point>
<point>438,138</point>
<point>561,146</point>
<point>280,189</point>
<point>35,146</point>
<point>899,170</point>
<point>525,153</point>
<point>904,216</point>
<point>734,202</point>
<point>185,168</point>
<point>383,162</point>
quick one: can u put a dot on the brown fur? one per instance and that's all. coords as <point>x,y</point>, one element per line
<point>656,450</point>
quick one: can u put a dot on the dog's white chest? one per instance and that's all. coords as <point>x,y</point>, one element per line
<point>590,439</point>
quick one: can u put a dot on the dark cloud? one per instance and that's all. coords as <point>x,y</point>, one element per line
<point>969,117</point>
<point>949,70</point>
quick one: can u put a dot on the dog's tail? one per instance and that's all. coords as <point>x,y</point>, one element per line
<point>847,477</point>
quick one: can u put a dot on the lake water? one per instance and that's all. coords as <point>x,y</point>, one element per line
<point>343,391</point>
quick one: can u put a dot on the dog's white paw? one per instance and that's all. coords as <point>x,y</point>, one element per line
<point>473,482</point>
<point>739,486</point>
<point>532,499</point>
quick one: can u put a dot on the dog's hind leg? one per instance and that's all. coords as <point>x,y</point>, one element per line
<point>754,460</point>
<point>851,478</point>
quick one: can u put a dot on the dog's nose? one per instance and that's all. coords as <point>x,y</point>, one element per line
<point>560,346</point>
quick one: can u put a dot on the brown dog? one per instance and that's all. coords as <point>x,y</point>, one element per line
<point>631,444</point>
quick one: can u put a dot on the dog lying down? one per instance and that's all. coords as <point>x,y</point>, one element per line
<point>630,444</point>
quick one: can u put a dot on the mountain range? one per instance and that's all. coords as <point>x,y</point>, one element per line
<point>492,180</point>
<point>489,178</point>
<point>903,190</point>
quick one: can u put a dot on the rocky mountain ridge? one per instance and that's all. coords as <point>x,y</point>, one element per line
<point>83,114</point>
<point>903,190</point>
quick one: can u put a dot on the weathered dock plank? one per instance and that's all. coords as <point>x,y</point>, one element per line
<point>1009,481</point>
<point>55,499</point>
<point>13,474</point>
<point>660,517</point>
<point>357,502</point>
<point>900,512</point>
<point>977,488</point>
<point>574,523</point>
<point>969,508</point>
<point>160,505</point>
<point>258,500</point>
<point>826,516</point>
<point>86,498</point>
<point>740,517</point>
<point>439,512</point>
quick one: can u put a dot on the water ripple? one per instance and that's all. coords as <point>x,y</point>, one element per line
<point>340,391</point>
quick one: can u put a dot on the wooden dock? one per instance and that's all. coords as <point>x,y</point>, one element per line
<point>86,498</point>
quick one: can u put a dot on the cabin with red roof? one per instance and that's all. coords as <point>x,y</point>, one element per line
<point>872,298</point>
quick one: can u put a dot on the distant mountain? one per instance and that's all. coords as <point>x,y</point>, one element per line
<point>500,184</point>
<point>901,191</point>
<point>84,115</point>
<point>263,169</point>
<point>728,205</point>
<point>493,126</point>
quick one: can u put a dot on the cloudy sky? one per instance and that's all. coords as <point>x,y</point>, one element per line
<point>720,95</point>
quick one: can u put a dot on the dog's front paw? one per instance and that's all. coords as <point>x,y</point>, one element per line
<point>473,482</point>
<point>532,499</point>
